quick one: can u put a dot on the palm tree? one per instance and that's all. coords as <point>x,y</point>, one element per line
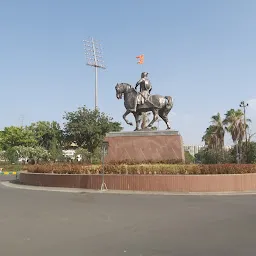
<point>219,130</point>
<point>235,125</point>
<point>214,134</point>
<point>210,137</point>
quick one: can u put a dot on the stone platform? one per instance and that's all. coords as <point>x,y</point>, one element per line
<point>142,146</point>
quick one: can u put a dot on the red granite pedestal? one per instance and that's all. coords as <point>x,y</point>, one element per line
<point>143,146</point>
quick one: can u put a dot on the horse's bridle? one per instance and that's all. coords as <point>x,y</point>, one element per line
<point>118,93</point>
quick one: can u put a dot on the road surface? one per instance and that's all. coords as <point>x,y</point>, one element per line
<point>64,224</point>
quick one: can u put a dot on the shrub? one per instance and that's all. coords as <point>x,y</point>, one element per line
<point>9,167</point>
<point>189,159</point>
<point>213,156</point>
<point>143,169</point>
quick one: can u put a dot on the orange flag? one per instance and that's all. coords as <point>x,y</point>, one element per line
<point>141,59</point>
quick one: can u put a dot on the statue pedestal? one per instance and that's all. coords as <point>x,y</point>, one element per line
<point>143,146</point>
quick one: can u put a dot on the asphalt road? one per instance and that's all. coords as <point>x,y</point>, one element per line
<point>64,224</point>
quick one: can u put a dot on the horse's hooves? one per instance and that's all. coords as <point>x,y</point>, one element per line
<point>135,130</point>
<point>168,128</point>
<point>131,124</point>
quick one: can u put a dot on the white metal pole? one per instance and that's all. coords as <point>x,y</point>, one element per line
<point>96,74</point>
<point>94,59</point>
<point>96,88</point>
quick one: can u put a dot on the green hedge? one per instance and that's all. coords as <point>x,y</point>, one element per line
<point>150,169</point>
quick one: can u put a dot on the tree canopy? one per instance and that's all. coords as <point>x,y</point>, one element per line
<point>236,124</point>
<point>16,136</point>
<point>87,128</point>
<point>46,140</point>
<point>47,133</point>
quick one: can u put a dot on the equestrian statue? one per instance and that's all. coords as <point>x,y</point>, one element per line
<point>142,101</point>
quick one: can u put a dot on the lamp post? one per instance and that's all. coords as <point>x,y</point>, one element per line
<point>104,150</point>
<point>19,165</point>
<point>244,106</point>
<point>94,58</point>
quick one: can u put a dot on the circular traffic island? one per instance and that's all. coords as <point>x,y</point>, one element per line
<point>144,177</point>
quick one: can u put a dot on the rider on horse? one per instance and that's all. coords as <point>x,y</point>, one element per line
<point>145,88</point>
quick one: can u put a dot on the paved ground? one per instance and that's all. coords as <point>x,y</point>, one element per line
<point>64,224</point>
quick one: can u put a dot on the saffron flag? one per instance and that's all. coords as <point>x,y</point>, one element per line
<point>140,58</point>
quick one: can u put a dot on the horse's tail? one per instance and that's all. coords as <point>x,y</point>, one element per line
<point>169,104</point>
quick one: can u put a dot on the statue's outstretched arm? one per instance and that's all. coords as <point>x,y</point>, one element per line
<point>139,82</point>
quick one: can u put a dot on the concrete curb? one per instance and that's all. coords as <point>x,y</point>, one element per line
<point>122,192</point>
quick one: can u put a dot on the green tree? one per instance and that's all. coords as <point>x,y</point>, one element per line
<point>219,130</point>
<point>234,122</point>
<point>84,153</point>
<point>214,134</point>
<point>11,155</point>
<point>55,150</point>
<point>249,154</point>
<point>251,158</point>
<point>213,156</point>
<point>87,128</point>
<point>47,134</point>
<point>189,159</point>
<point>1,140</point>
<point>210,137</point>
<point>37,153</point>
<point>3,156</point>
<point>87,157</point>
<point>17,136</point>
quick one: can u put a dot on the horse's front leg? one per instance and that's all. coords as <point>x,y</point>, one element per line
<point>137,119</point>
<point>125,119</point>
<point>155,117</point>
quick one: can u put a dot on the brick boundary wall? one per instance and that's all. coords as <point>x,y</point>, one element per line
<point>167,183</point>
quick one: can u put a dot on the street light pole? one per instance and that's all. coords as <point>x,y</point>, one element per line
<point>244,106</point>
<point>104,152</point>
<point>94,58</point>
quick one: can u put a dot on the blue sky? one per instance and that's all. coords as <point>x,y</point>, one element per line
<point>200,52</point>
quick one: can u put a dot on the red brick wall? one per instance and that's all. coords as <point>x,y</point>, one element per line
<point>145,148</point>
<point>170,183</point>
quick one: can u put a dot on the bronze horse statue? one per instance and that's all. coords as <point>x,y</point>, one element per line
<point>157,104</point>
